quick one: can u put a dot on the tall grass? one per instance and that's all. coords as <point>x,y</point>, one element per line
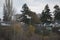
<point>16,32</point>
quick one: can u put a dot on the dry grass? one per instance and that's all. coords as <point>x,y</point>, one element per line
<point>16,32</point>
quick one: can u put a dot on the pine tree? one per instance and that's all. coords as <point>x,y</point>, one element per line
<point>24,13</point>
<point>46,16</point>
<point>57,12</point>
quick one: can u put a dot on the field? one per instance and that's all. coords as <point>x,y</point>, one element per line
<point>16,32</point>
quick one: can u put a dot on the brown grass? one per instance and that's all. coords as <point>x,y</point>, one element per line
<point>16,32</point>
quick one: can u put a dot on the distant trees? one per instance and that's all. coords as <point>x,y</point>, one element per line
<point>28,15</point>
<point>46,16</point>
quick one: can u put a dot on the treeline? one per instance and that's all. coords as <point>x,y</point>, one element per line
<point>29,16</point>
<point>46,16</point>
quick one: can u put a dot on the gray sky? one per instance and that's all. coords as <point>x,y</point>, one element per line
<point>35,5</point>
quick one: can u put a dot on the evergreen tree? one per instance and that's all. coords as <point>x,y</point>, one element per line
<point>27,11</point>
<point>46,16</point>
<point>24,13</point>
<point>57,12</point>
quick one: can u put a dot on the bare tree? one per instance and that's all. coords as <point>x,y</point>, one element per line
<point>8,10</point>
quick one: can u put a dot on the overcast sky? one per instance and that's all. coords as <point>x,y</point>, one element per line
<point>35,5</point>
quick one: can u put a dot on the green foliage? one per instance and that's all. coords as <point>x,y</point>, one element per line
<point>57,12</point>
<point>46,14</point>
<point>25,11</point>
